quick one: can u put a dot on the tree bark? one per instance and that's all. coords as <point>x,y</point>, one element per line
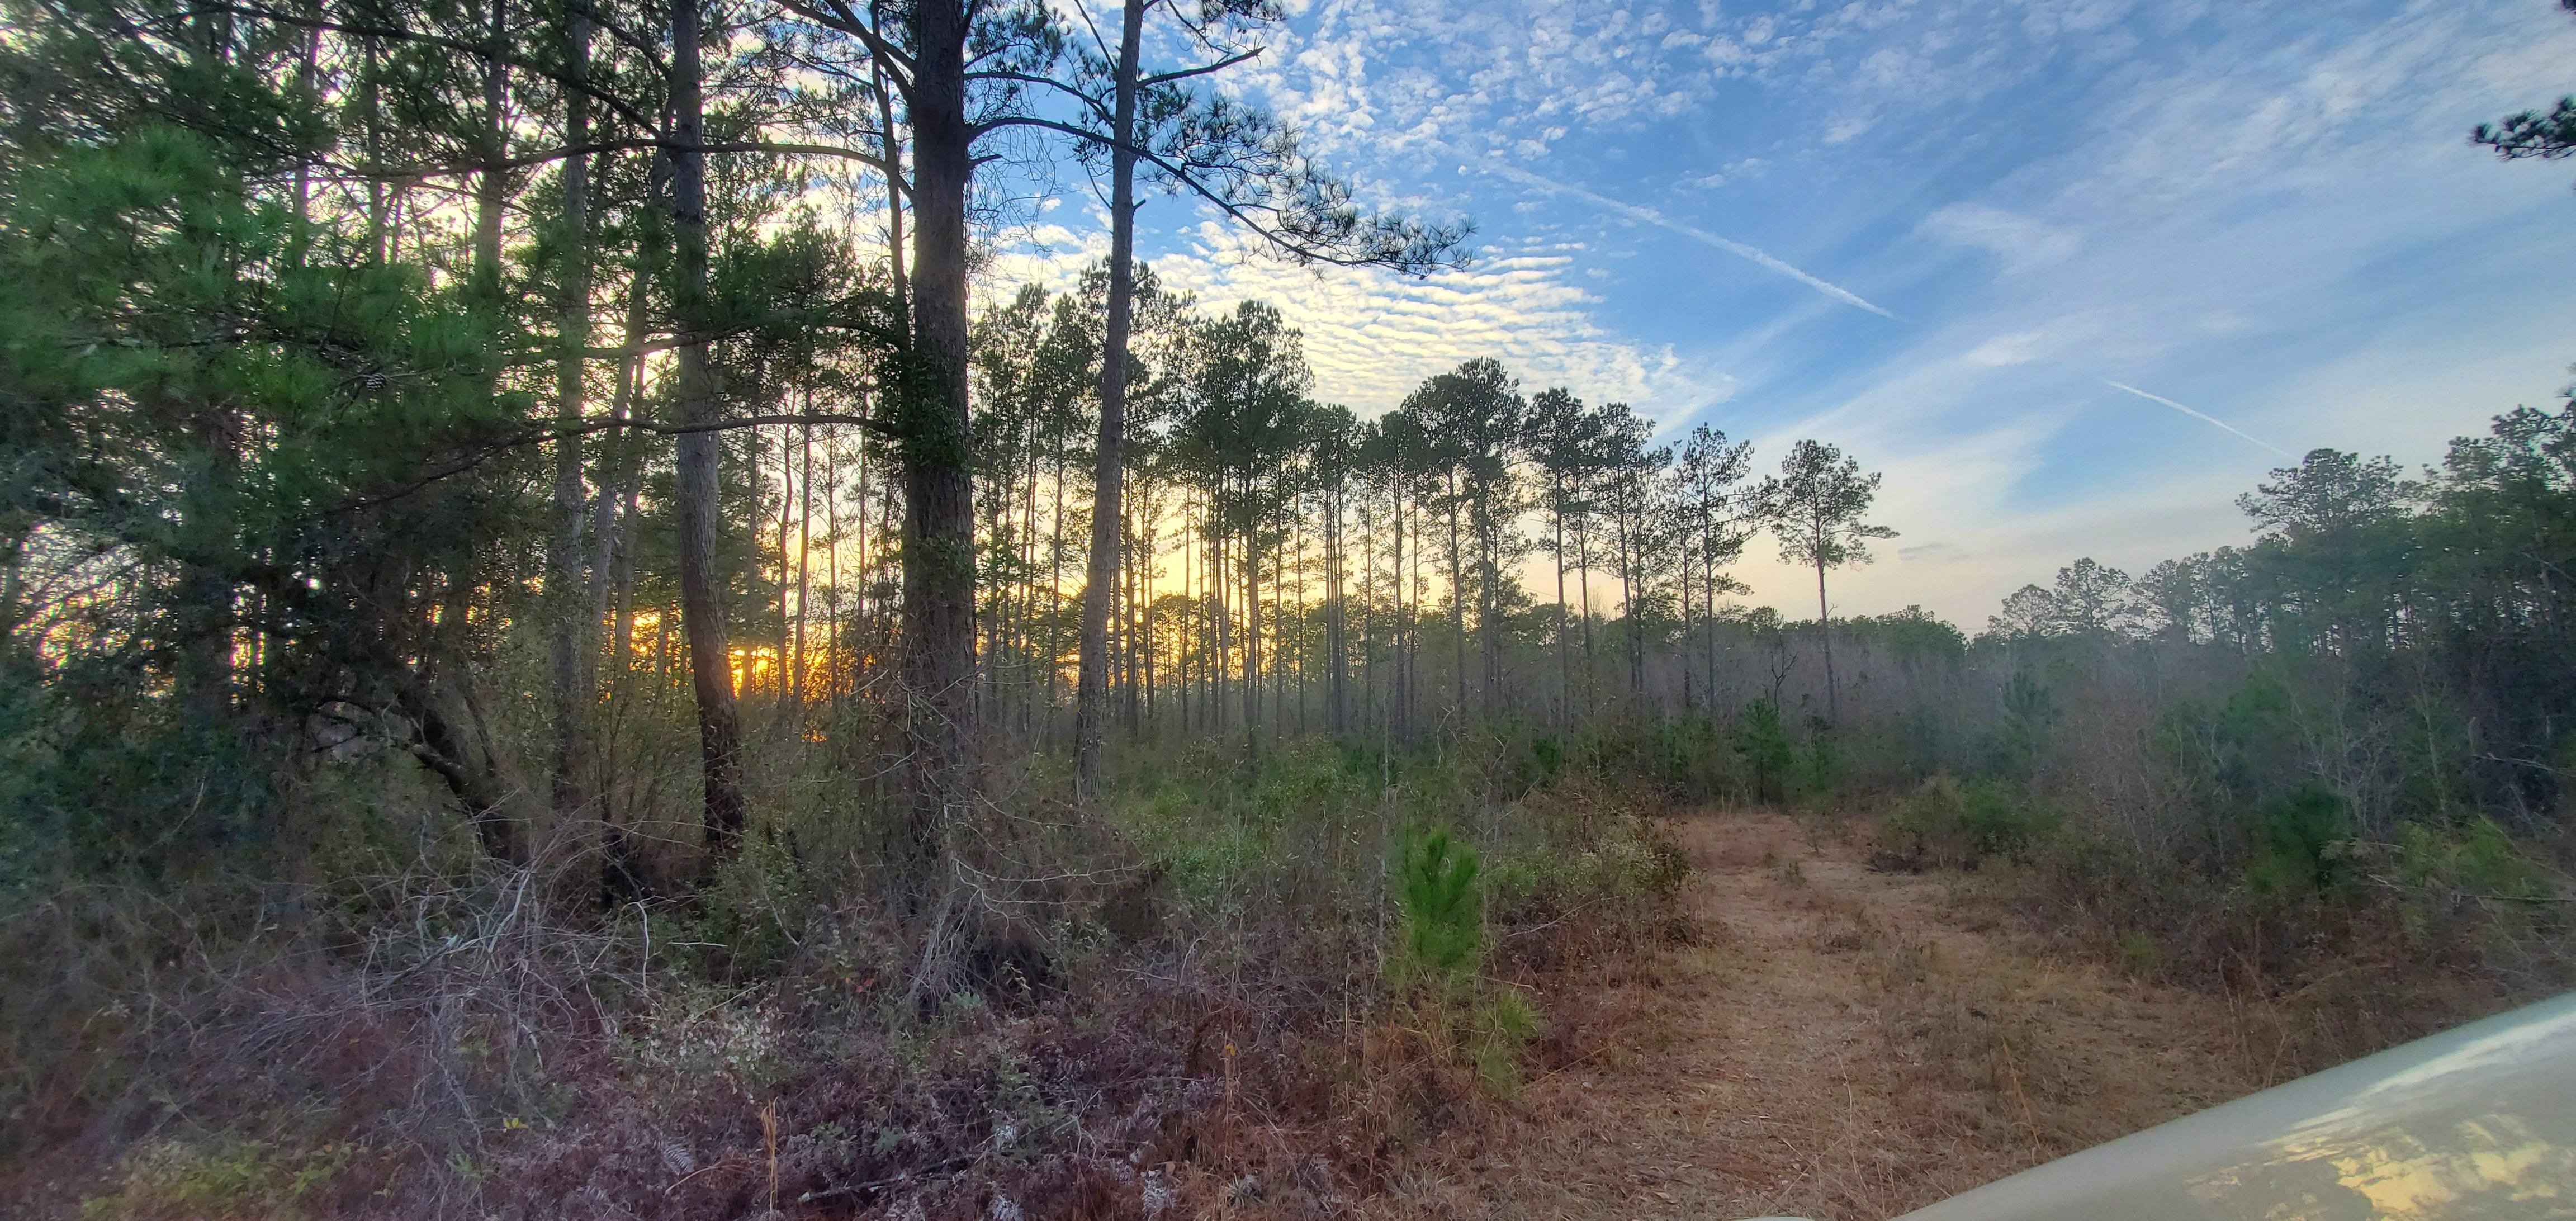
<point>570,676</point>
<point>492,186</point>
<point>1825,634</point>
<point>939,509</point>
<point>1252,646</point>
<point>1337,649</point>
<point>1091,678</point>
<point>1564,651</point>
<point>1488,612</point>
<point>1583,583</point>
<point>614,562</point>
<point>1628,597</point>
<point>702,610</point>
<point>804,571</point>
<point>1457,604</point>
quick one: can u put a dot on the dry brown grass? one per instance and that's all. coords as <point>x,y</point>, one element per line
<point>1837,1044</point>
<point>479,1053</point>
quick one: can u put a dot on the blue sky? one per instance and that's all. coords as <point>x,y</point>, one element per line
<point>1937,233</point>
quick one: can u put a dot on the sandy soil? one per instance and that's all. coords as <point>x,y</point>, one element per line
<point>1837,1043</point>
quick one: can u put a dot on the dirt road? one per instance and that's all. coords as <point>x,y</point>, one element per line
<point>1837,1044</point>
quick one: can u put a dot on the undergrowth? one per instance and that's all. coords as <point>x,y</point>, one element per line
<point>1250,987</point>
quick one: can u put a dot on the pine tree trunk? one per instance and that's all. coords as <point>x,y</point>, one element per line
<point>779,675</point>
<point>1825,633</point>
<point>702,611</point>
<point>1628,601</point>
<point>613,561</point>
<point>1457,606</point>
<point>1110,467</point>
<point>571,649</point>
<point>1053,660</point>
<point>1220,663</point>
<point>1708,619</point>
<point>1337,623</point>
<point>492,186</point>
<point>1400,688</point>
<point>1591,654</point>
<point>1488,627</point>
<point>939,492</point>
<point>1564,650</point>
<point>1251,647</point>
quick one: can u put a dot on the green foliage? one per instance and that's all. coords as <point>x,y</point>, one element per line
<point>272,462</point>
<point>1820,766</point>
<point>1443,911</point>
<point>1684,757</point>
<point>221,1180</point>
<point>1763,741</point>
<point>755,906</point>
<point>1549,755</point>
<point>2140,952</point>
<point>2299,842</point>
<point>1499,1034</point>
<point>1689,759</point>
<point>1815,505</point>
<point>2478,861</point>
<point>2030,712</point>
<point>1960,824</point>
<point>1614,865</point>
<point>1915,635</point>
<point>2242,752</point>
<point>94,783</point>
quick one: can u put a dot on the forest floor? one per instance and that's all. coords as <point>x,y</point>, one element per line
<point>1833,1043</point>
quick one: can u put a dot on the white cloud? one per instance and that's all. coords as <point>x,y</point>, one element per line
<point>2004,351</point>
<point>1733,171</point>
<point>1846,128</point>
<point>2020,241</point>
<point>1373,336</point>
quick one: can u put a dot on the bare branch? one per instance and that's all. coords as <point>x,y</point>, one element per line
<point>1103,113</point>
<point>1202,70</point>
<point>835,15</point>
<point>1433,246</point>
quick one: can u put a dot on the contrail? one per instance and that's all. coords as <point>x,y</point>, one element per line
<point>1738,249</point>
<point>2203,417</point>
<point>1827,287</point>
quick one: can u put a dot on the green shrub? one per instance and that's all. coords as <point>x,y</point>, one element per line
<point>756,906</point>
<point>1549,755</point>
<point>1441,958</point>
<point>2479,862</point>
<point>1763,741</point>
<point>1691,760</point>
<point>1444,918</point>
<point>1820,766</point>
<point>1619,865</point>
<point>2030,712</point>
<point>1952,823</point>
<point>1685,757</point>
<point>2140,952</point>
<point>97,784</point>
<point>2299,841</point>
<point>1501,1031</point>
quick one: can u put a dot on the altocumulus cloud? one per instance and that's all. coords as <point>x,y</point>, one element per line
<point>1373,336</point>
